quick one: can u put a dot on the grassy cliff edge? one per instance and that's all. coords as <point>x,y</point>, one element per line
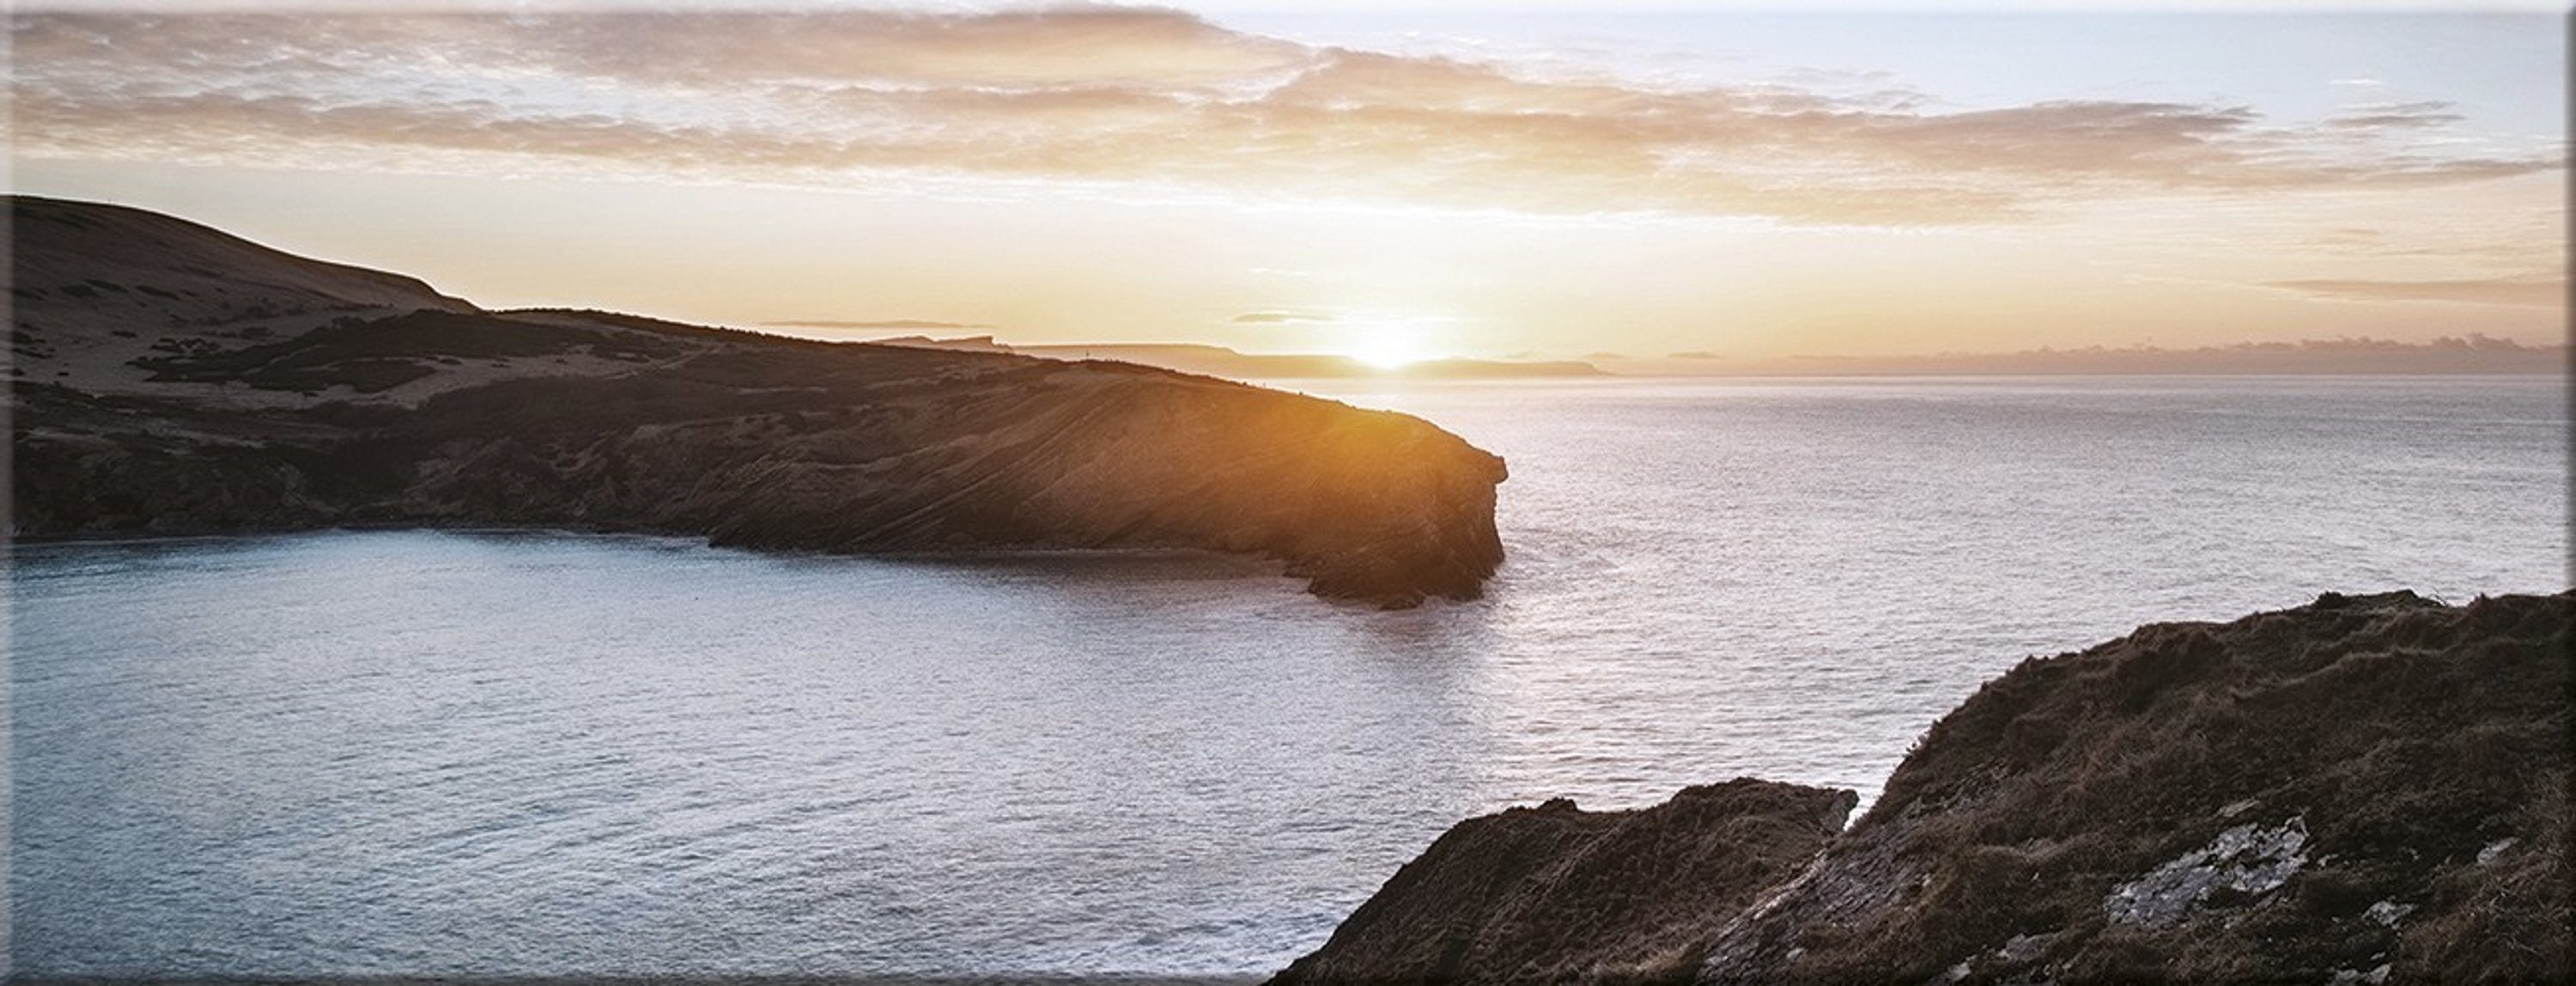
<point>2363,789</point>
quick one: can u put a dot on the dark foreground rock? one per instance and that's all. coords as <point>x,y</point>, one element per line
<point>2367,789</point>
<point>169,378</point>
<point>1556,894</point>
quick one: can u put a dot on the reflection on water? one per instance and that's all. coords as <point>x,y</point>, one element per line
<point>530,753</point>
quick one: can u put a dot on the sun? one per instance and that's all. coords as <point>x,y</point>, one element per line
<point>1386,349</point>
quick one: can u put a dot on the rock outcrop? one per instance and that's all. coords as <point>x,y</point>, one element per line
<point>2367,788</point>
<point>1556,894</point>
<point>170,378</point>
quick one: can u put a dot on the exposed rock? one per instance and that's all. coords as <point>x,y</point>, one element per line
<point>175,379</point>
<point>2495,849</point>
<point>2245,860</point>
<point>2366,789</point>
<point>1554,894</point>
<point>2389,912</point>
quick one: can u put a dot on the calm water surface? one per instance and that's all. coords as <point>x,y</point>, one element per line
<point>538,754</point>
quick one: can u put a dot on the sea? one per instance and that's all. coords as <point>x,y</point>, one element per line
<point>542,754</point>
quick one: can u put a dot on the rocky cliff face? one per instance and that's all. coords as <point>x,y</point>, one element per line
<point>1555,894</point>
<point>173,379</point>
<point>2363,789</point>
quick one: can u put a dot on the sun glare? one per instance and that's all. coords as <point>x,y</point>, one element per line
<point>1386,349</point>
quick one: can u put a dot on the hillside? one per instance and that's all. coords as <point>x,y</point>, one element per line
<point>169,378</point>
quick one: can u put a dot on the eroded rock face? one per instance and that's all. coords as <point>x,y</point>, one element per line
<point>173,379</point>
<point>2364,789</point>
<point>1555,894</point>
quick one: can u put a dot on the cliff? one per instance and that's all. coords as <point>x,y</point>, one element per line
<point>2364,789</point>
<point>169,378</point>
<point>1556,894</point>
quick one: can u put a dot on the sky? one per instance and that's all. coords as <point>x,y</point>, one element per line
<point>1455,179</point>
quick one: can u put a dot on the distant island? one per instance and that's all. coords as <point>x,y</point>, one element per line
<point>169,378</point>
<point>1219,361</point>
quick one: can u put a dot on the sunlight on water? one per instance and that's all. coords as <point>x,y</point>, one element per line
<point>529,753</point>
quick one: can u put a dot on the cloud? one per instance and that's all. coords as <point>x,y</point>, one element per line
<point>907,324</point>
<point>2526,291</point>
<point>2396,116</point>
<point>1124,98</point>
<point>1279,318</point>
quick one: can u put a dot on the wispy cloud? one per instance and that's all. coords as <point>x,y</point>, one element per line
<point>2396,116</point>
<point>1126,96</point>
<point>2530,291</point>
<point>1281,318</point>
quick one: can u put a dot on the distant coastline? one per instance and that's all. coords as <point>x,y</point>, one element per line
<point>1220,361</point>
<point>2472,354</point>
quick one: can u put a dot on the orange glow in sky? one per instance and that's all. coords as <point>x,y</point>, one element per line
<point>1393,187</point>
